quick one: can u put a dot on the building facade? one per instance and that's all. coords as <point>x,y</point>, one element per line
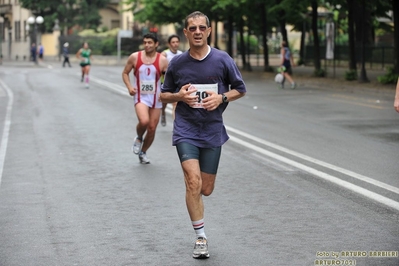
<point>16,32</point>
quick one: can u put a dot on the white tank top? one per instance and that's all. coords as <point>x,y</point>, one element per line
<point>170,55</point>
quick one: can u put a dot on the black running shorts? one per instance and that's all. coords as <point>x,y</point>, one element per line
<point>208,157</point>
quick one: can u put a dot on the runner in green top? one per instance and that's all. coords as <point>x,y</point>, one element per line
<point>84,55</point>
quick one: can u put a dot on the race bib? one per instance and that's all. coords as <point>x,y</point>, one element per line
<point>147,87</point>
<point>201,92</point>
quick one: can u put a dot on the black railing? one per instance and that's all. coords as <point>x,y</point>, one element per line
<point>375,56</point>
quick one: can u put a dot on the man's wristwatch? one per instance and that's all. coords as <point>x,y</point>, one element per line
<point>224,98</point>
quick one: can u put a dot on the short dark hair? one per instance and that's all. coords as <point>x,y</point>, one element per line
<point>196,14</point>
<point>151,36</point>
<point>173,36</point>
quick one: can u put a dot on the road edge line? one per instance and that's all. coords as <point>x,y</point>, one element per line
<point>6,129</point>
<point>318,162</point>
<point>362,191</point>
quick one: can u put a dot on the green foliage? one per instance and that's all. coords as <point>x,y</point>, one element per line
<point>253,43</point>
<point>321,73</point>
<point>68,12</point>
<point>300,62</point>
<point>173,11</point>
<point>391,77</point>
<point>101,43</point>
<point>108,46</point>
<point>351,74</point>
<point>94,33</point>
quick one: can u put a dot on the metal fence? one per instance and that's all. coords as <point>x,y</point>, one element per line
<point>375,56</point>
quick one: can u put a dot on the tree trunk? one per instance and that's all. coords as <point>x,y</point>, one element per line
<point>248,66</point>
<point>283,30</point>
<point>302,48</point>
<point>316,43</point>
<point>242,43</point>
<point>395,8</point>
<point>351,33</point>
<point>363,74</point>
<point>264,37</point>
<point>230,34</point>
<point>216,34</point>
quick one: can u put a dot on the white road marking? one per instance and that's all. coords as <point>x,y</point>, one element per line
<point>318,162</point>
<point>117,88</point>
<point>369,194</point>
<point>6,129</point>
<point>275,163</point>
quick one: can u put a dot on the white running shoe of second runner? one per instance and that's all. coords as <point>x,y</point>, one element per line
<point>136,148</point>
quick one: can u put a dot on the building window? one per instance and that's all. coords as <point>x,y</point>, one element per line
<point>2,32</point>
<point>26,32</point>
<point>17,31</point>
<point>115,23</point>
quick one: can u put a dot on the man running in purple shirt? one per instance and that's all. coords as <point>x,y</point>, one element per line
<point>202,81</point>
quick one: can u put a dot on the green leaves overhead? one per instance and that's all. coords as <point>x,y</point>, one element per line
<point>68,12</point>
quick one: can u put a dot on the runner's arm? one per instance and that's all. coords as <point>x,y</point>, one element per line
<point>183,95</point>
<point>78,53</point>
<point>126,71</point>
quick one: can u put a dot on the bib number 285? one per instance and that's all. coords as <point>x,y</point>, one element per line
<point>147,87</point>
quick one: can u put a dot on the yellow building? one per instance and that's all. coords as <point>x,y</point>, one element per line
<point>15,31</point>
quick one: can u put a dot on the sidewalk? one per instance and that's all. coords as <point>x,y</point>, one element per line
<point>19,63</point>
<point>303,75</point>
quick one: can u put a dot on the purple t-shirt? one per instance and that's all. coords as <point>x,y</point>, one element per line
<point>198,126</point>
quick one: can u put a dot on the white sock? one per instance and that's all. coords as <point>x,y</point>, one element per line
<point>199,228</point>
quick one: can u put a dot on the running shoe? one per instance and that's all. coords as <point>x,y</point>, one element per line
<point>201,248</point>
<point>163,120</point>
<point>281,85</point>
<point>87,85</point>
<point>136,148</point>
<point>293,86</point>
<point>143,158</point>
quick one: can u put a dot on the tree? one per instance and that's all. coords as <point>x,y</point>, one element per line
<point>175,11</point>
<point>68,12</point>
<point>262,8</point>
<point>316,43</point>
<point>242,42</point>
<point>297,15</point>
<point>277,13</point>
<point>395,8</point>
<point>351,32</point>
<point>363,26</point>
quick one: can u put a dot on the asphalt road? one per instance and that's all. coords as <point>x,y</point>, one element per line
<point>309,176</point>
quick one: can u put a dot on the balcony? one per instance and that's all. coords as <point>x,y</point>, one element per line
<point>5,9</point>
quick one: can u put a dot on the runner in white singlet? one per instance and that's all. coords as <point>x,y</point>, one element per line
<point>173,43</point>
<point>147,79</point>
<point>147,66</point>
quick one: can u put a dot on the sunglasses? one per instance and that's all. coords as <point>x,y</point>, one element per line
<point>194,28</point>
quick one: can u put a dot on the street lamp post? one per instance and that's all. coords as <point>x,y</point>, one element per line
<point>34,21</point>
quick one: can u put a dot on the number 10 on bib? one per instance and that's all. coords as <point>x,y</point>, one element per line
<point>201,92</point>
